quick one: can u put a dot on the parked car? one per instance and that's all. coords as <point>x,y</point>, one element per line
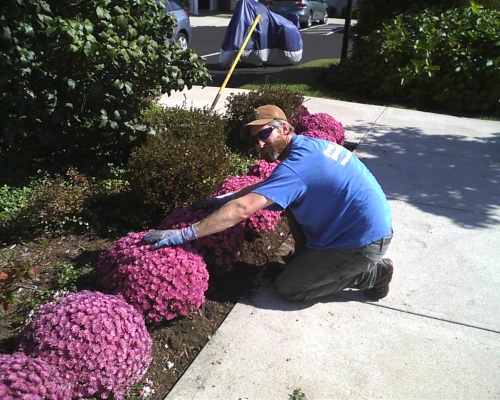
<point>307,10</point>
<point>182,33</point>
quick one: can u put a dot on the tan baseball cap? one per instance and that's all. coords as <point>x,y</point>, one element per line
<point>262,116</point>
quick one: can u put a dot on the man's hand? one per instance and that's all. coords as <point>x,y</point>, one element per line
<point>215,202</point>
<point>170,237</point>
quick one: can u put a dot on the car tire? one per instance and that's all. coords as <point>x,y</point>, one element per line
<point>182,40</point>
<point>324,20</point>
<point>309,22</point>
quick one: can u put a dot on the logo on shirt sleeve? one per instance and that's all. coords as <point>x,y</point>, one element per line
<point>337,152</point>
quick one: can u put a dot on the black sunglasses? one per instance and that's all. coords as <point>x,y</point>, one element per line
<point>262,135</point>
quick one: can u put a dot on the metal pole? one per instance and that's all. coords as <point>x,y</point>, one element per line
<point>235,61</point>
<point>347,27</point>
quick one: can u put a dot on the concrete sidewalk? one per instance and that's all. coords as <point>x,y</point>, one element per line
<point>437,334</point>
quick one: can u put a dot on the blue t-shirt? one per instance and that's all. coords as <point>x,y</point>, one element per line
<point>331,193</point>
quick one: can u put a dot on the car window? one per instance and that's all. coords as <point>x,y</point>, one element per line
<point>175,6</point>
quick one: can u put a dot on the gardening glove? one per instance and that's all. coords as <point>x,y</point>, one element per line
<point>215,202</point>
<point>170,237</point>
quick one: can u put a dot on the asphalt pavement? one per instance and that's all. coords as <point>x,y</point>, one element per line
<point>437,334</point>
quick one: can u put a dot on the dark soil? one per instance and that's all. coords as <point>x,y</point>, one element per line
<point>176,343</point>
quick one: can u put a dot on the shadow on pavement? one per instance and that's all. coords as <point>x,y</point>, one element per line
<point>443,173</point>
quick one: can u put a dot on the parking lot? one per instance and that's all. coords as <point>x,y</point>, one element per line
<point>319,42</point>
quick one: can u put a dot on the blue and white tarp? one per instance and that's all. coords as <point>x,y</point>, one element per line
<point>275,40</point>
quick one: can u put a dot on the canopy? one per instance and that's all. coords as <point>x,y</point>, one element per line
<point>275,40</point>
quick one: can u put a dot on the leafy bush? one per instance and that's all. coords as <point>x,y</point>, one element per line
<point>219,250</point>
<point>12,201</point>
<point>59,202</point>
<point>184,161</point>
<point>24,377</point>
<point>66,203</point>
<point>14,274</point>
<point>240,106</point>
<point>448,61</point>
<point>64,278</point>
<point>74,76</point>
<point>321,126</point>
<point>55,205</point>
<point>372,14</point>
<point>162,284</point>
<point>98,342</point>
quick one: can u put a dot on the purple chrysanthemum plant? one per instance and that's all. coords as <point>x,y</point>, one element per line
<point>221,249</point>
<point>321,126</point>
<point>262,169</point>
<point>162,284</point>
<point>98,342</point>
<point>262,220</point>
<point>25,377</point>
<point>304,111</point>
<point>295,118</point>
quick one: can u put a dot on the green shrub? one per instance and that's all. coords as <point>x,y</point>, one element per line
<point>63,277</point>
<point>65,203</point>
<point>372,14</point>
<point>448,61</point>
<point>240,106</point>
<point>75,75</point>
<point>116,213</point>
<point>14,274</point>
<point>12,201</point>
<point>184,161</point>
<point>58,203</point>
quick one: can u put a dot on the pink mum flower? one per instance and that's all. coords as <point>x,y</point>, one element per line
<point>262,169</point>
<point>78,353</point>
<point>228,242</point>
<point>321,126</point>
<point>262,220</point>
<point>155,277</point>
<point>23,377</point>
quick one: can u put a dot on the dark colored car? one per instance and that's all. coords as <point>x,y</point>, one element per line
<point>182,33</point>
<point>307,10</point>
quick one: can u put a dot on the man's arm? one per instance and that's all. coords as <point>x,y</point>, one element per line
<point>218,201</point>
<point>232,212</point>
<point>248,189</point>
<point>225,217</point>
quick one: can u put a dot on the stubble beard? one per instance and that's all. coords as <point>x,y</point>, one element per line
<point>271,152</point>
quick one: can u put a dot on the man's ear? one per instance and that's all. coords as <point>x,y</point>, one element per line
<point>285,129</point>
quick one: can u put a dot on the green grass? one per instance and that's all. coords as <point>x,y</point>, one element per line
<point>300,79</point>
<point>306,80</point>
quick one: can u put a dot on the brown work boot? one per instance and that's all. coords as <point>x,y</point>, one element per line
<point>381,287</point>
